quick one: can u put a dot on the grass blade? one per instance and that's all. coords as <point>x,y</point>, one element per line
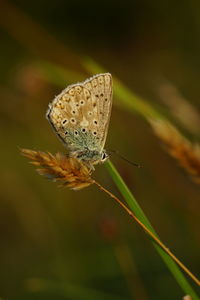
<point>136,209</point>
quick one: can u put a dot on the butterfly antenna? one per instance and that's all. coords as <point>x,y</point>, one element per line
<point>122,157</point>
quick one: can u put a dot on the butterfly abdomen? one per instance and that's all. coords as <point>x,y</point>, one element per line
<point>88,155</point>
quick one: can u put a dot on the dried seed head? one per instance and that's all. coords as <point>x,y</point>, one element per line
<point>187,154</point>
<point>67,170</point>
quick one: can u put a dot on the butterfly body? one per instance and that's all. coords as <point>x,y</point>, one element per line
<point>80,117</point>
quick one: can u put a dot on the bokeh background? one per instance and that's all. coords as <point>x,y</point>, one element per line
<point>61,244</point>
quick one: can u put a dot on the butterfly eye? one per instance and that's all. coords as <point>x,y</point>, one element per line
<point>95,122</point>
<point>104,156</point>
<point>76,132</point>
<point>83,130</point>
<point>95,133</point>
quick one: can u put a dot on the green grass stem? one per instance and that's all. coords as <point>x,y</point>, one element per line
<point>136,209</point>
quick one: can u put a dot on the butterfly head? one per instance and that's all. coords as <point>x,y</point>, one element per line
<point>104,156</point>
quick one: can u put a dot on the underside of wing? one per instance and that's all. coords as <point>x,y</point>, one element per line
<point>80,114</point>
<point>100,87</point>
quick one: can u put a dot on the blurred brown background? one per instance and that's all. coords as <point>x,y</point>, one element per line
<point>61,244</point>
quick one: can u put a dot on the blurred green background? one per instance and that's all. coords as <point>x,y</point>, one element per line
<point>61,244</point>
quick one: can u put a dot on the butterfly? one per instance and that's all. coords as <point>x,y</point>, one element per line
<point>80,116</point>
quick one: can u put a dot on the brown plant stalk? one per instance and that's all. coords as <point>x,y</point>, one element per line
<point>151,234</point>
<point>186,153</point>
<point>76,175</point>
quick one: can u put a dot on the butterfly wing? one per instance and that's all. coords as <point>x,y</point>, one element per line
<point>80,114</point>
<point>100,87</point>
